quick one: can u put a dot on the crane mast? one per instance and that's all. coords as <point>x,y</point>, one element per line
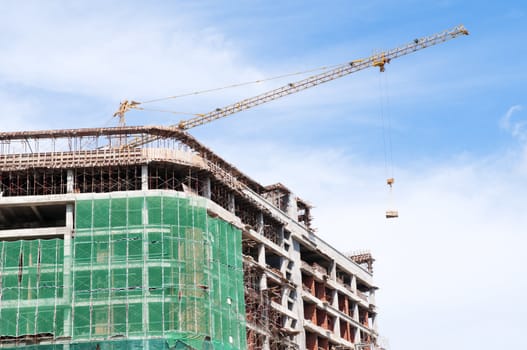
<point>377,60</point>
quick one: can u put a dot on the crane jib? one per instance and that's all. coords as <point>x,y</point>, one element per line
<point>377,60</point>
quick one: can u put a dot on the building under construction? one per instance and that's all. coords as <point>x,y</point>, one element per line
<point>106,245</point>
<point>143,238</point>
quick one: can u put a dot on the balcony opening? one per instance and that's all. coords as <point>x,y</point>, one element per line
<point>35,218</point>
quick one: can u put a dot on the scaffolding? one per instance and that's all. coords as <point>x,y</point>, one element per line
<point>264,323</point>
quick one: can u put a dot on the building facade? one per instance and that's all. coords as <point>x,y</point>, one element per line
<point>141,237</point>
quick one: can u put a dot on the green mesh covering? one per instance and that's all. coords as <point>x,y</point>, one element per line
<point>152,271</point>
<point>31,280</point>
<point>128,344</point>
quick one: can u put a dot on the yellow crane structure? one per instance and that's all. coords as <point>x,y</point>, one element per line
<point>377,60</point>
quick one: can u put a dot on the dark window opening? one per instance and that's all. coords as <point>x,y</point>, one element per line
<point>32,216</point>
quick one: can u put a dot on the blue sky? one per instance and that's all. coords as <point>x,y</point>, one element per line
<point>452,268</point>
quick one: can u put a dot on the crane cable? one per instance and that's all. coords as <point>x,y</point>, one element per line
<point>387,124</point>
<point>127,105</point>
<point>387,142</point>
<point>323,68</point>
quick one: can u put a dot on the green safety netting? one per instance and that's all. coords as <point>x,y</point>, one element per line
<point>147,267</point>
<point>127,344</point>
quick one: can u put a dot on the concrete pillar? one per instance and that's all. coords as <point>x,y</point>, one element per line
<point>335,298</point>
<point>355,315</point>
<point>354,283</point>
<point>285,296</point>
<point>266,344</point>
<point>69,217</point>
<point>292,209</point>
<point>283,264</point>
<point>336,329</point>
<point>67,266</point>
<point>333,271</point>
<point>371,297</point>
<point>206,188</point>
<point>70,182</point>
<point>358,340</point>
<point>263,282</point>
<point>144,177</point>
<point>296,279</point>
<point>261,254</point>
<point>374,322</point>
<point>144,213</point>
<point>146,291</point>
<point>260,220</point>
<point>231,205</point>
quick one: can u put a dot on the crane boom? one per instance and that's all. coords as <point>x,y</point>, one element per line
<point>376,60</point>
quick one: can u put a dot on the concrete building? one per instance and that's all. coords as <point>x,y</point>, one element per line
<point>164,245</point>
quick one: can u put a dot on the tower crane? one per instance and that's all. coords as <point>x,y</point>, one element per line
<point>377,60</point>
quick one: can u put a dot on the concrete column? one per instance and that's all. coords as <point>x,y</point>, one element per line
<point>371,297</point>
<point>335,298</point>
<point>260,224</point>
<point>296,279</point>
<point>263,282</point>
<point>355,315</point>
<point>285,296</point>
<point>354,283</point>
<point>261,254</point>
<point>374,322</point>
<point>292,209</point>
<point>266,345</point>
<point>333,271</point>
<point>70,182</point>
<point>67,266</point>
<point>358,340</point>
<point>337,326</point>
<point>144,212</point>
<point>205,184</point>
<point>144,177</point>
<point>283,264</point>
<point>146,291</point>
<point>69,217</point>
<point>231,205</point>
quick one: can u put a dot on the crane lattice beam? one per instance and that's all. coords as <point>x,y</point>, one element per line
<point>376,60</point>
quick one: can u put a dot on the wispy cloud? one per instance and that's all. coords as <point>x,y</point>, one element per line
<point>517,128</point>
<point>116,53</point>
<point>515,123</point>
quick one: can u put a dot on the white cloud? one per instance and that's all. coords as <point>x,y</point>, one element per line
<point>518,129</point>
<point>118,52</point>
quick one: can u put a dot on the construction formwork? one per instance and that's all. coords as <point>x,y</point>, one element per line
<point>154,270</point>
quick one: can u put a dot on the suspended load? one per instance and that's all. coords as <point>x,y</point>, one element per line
<point>391,214</point>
